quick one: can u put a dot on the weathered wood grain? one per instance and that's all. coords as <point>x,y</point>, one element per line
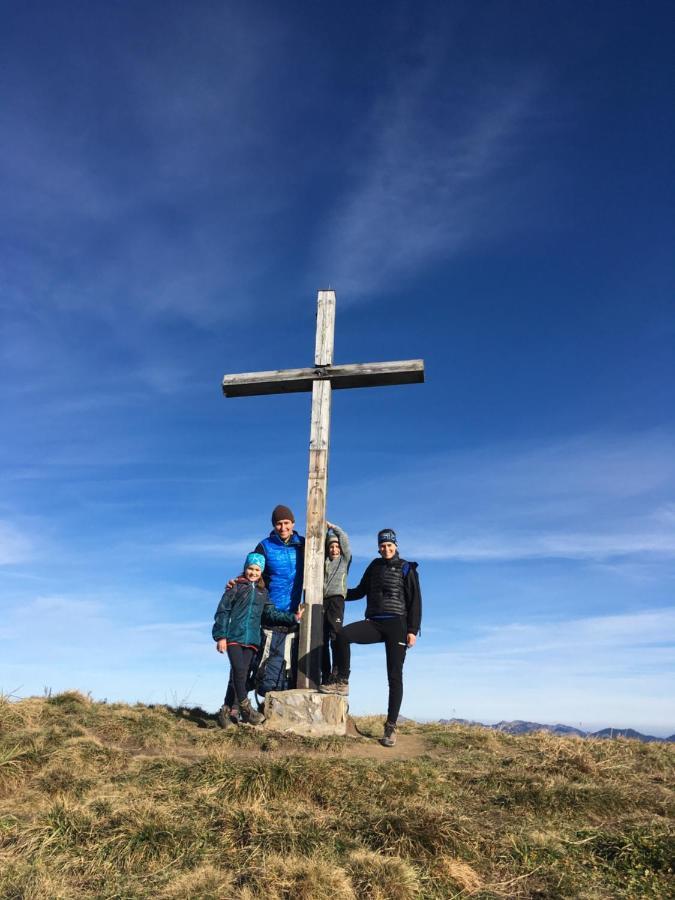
<point>354,375</point>
<point>311,627</point>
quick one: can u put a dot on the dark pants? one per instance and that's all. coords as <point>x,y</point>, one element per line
<point>375,631</point>
<point>240,662</point>
<point>333,616</point>
<point>272,672</point>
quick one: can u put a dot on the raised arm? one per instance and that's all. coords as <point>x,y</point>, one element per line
<point>344,543</point>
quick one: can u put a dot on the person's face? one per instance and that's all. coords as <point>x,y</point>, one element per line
<point>253,573</point>
<point>284,528</point>
<point>334,550</point>
<point>387,550</point>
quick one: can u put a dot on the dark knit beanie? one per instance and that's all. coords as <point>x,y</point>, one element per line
<point>331,538</point>
<point>282,512</point>
<point>387,535</point>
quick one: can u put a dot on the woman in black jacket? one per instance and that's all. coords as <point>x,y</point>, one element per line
<point>393,616</point>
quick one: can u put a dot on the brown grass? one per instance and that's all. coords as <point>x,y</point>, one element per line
<point>115,801</point>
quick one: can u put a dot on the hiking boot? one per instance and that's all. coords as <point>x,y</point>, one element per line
<point>339,686</point>
<point>224,717</point>
<point>329,677</point>
<point>388,739</point>
<point>249,715</point>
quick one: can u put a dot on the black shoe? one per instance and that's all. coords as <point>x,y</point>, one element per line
<point>388,739</point>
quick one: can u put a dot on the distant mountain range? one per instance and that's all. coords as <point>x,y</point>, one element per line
<point>520,727</point>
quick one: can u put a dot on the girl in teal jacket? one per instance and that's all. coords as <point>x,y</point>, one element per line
<point>236,630</point>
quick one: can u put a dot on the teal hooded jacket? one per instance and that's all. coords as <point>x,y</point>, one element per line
<point>242,610</point>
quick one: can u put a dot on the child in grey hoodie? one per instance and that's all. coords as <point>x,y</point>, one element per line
<point>336,567</point>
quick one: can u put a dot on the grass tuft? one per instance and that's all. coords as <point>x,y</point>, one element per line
<point>382,877</point>
<point>311,878</point>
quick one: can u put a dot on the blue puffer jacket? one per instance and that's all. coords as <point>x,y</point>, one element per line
<point>242,609</point>
<point>284,564</point>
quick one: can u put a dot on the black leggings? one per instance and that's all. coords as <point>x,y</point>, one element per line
<point>240,662</point>
<point>333,614</point>
<point>374,631</point>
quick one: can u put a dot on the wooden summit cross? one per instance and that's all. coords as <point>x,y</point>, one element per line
<point>320,380</point>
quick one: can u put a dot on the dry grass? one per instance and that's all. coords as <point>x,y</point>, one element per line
<point>114,801</point>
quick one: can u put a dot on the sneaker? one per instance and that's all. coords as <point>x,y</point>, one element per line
<point>388,739</point>
<point>339,686</point>
<point>249,715</point>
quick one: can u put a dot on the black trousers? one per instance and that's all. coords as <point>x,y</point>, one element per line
<point>333,616</point>
<point>240,663</point>
<point>375,631</point>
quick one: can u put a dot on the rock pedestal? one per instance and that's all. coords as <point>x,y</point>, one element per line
<point>306,712</point>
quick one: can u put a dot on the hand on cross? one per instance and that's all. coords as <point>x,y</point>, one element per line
<point>301,611</point>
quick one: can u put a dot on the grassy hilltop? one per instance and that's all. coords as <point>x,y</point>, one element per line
<point>116,801</point>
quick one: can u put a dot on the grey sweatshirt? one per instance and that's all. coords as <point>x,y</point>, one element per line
<point>335,570</point>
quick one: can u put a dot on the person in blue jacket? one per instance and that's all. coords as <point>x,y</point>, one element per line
<point>244,606</point>
<point>284,553</point>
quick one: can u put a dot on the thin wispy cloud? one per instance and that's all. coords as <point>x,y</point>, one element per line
<point>15,545</point>
<point>618,635</point>
<point>590,497</point>
<point>428,178</point>
<point>153,213</point>
<point>542,546</point>
<point>224,549</point>
<point>595,671</point>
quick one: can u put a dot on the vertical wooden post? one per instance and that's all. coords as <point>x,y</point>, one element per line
<point>311,627</point>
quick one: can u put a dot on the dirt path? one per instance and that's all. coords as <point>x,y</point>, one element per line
<point>357,745</point>
<point>408,746</point>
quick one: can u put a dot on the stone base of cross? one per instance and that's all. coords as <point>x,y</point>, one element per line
<point>321,380</point>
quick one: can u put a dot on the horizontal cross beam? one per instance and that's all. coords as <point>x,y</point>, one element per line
<point>291,381</point>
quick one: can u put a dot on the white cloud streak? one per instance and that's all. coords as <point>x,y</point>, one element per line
<point>15,546</point>
<point>594,498</point>
<point>593,672</point>
<point>430,182</point>
<point>542,546</point>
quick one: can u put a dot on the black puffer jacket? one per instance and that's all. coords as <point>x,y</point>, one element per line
<point>392,588</point>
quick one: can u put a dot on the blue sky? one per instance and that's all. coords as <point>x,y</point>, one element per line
<point>487,186</point>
